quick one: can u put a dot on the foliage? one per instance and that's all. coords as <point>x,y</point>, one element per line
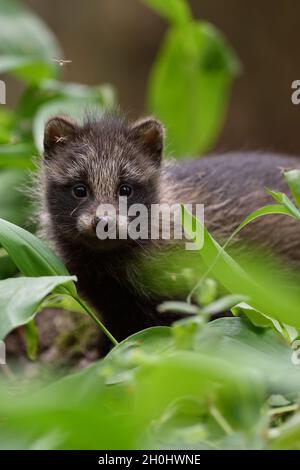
<point>190,82</point>
<point>229,383</point>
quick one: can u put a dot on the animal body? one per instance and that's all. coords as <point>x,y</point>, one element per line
<point>95,163</point>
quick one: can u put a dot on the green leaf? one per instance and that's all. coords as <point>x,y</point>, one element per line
<point>175,11</point>
<point>27,68</point>
<point>274,297</point>
<point>46,91</point>
<point>31,255</point>
<point>292,178</point>
<point>248,347</point>
<point>285,201</point>
<point>257,318</point>
<point>210,380</point>
<point>71,413</point>
<point>206,292</point>
<point>21,296</point>
<point>23,33</point>
<point>222,305</point>
<point>189,86</point>
<point>27,46</point>
<point>212,396</point>
<point>31,340</point>
<point>263,321</point>
<point>263,211</point>
<point>17,155</point>
<point>7,267</point>
<point>179,307</point>
<point>184,331</point>
<point>142,347</point>
<point>14,206</point>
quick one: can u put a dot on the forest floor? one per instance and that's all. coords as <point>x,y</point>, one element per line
<point>66,341</point>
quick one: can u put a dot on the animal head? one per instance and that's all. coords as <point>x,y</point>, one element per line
<point>88,167</point>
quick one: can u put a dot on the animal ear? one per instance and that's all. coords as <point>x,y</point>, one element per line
<point>150,134</point>
<point>58,131</point>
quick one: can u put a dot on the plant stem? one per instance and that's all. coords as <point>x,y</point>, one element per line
<point>221,420</point>
<point>96,320</point>
<point>283,409</point>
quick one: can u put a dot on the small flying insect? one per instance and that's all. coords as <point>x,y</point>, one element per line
<point>62,62</point>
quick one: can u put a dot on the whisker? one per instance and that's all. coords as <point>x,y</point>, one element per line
<point>74,210</point>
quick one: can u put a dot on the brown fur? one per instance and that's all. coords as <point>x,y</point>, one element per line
<point>106,151</point>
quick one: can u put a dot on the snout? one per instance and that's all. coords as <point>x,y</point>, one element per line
<point>105,231</point>
<point>103,221</point>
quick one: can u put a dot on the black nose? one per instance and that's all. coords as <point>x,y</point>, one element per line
<point>103,220</point>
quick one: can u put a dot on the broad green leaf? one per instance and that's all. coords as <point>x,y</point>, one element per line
<point>259,288</point>
<point>31,339</point>
<point>184,331</point>
<point>23,33</point>
<point>17,155</point>
<point>29,68</point>
<point>257,318</point>
<point>7,267</point>
<point>21,296</point>
<point>46,91</point>
<point>31,255</point>
<point>189,86</point>
<point>208,379</point>
<point>144,346</point>
<point>72,413</point>
<point>27,46</point>
<point>292,178</point>
<point>14,206</point>
<point>151,340</point>
<point>263,321</point>
<point>175,11</point>
<point>248,347</point>
<point>218,390</point>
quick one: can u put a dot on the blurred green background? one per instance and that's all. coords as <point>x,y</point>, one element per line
<point>116,41</point>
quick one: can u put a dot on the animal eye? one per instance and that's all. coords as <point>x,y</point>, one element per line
<point>79,190</point>
<point>125,190</point>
